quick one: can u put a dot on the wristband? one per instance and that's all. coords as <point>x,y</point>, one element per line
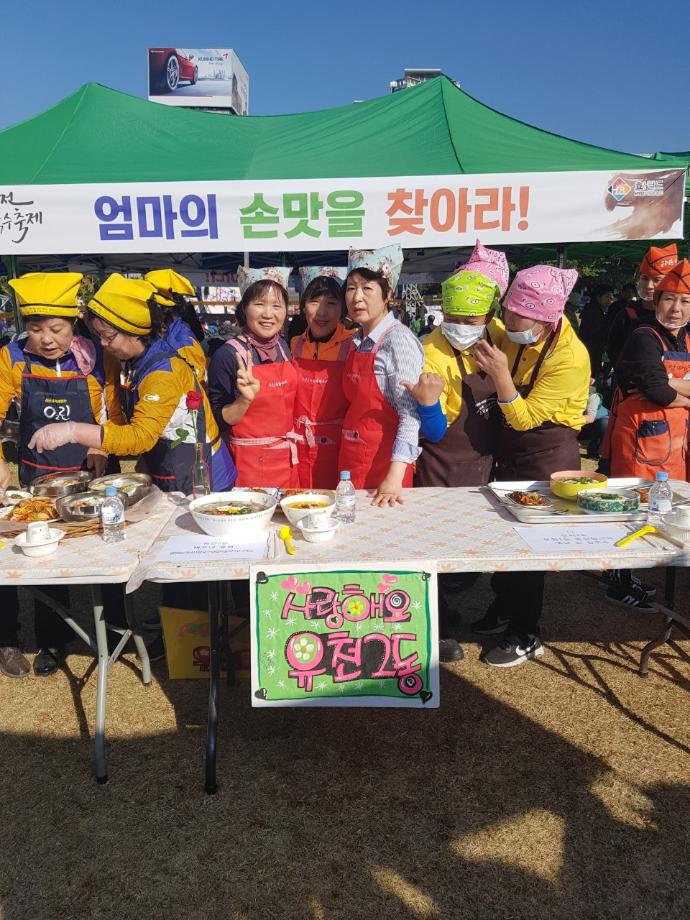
<point>506,402</point>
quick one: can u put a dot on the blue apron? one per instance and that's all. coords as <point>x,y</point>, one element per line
<point>46,400</point>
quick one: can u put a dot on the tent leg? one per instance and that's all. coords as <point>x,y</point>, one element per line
<point>562,255</point>
<point>246,260</point>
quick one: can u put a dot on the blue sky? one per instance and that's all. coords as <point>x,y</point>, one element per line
<point>613,74</point>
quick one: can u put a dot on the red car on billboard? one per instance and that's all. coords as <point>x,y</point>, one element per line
<point>169,67</point>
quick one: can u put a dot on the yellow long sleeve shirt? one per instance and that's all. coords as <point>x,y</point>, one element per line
<point>160,395</point>
<point>441,358</point>
<point>560,393</point>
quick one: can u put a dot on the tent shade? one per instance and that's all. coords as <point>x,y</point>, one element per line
<point>99,135</point>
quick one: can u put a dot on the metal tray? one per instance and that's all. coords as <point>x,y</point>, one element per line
<point>55,485</point>
<point>564,511</point>
<point>131,487</point>
<point>69,506</point>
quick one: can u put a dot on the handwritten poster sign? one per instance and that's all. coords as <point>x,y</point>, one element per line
<point>357,636</point>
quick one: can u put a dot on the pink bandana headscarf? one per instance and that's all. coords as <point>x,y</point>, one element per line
<point>491,263</point>
<point>541,292</point>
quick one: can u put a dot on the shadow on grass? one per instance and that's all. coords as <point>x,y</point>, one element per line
<point>470,811</point>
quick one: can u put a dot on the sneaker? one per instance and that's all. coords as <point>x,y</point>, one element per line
<point>450,650</point>
<point>630,596</point>
<point>13,663</point>
<point>511,651</point>
<point>613,579</point>
<point>491,624</point>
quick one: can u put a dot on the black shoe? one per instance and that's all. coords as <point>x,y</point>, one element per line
<point>614,578</point>
<point>632,597</point>
<point>513,651</point>
<point>449,650</point>
<point>48,661</point>
<point>156,650</point>
<point>491,624</point>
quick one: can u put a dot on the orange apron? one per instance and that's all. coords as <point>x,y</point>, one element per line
<point>320,406</point>
<point>642,437</point>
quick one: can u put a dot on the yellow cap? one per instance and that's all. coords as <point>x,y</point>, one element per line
<point>123,302</point>
<point>48,293</point>
<point>168,282</point>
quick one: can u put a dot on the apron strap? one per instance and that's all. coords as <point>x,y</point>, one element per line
<point>288,441</point>
<point>549,345</point>
<point>385,335</point>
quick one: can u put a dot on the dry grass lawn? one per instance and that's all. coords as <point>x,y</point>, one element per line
<point>560,789</point>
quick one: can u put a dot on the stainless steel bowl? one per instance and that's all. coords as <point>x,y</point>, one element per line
<point>84,506</point>
<point>55,485</point>
<point>132,487</point>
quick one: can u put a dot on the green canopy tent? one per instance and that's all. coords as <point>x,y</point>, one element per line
<point>98,136</point>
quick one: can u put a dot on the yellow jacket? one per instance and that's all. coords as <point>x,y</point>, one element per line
<point>441,358</point>
<point>560,393</point>
<point>104,398</point>
<point>159,394</point>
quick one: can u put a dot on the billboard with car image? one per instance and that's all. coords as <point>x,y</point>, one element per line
<point>208,78</point>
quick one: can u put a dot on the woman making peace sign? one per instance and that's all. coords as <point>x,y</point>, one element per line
<point>252,384</point>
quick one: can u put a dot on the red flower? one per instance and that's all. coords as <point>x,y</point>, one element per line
<point>194,400</point>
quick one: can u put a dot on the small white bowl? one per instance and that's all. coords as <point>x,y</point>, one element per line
<point>295,515</point>
<point>14,496</point>
<point>318,534</point>
<point>39,549</point>
<point>237,526</point>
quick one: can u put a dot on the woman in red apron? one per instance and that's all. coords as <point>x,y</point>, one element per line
<point>252,384</point>
<point>542,377</point>
<point>381,429</point>
<point>649,420</point>
<point>53,375</point>
<point>319,356</point>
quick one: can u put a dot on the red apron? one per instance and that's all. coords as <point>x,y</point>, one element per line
<point>320,406</point>
<point>370,425</point>
<point>263,443</point>
<point>642,437</point>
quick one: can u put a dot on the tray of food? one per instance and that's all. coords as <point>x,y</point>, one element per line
<point>84,506</point>
<point>55,485</point>
<point>542,506</point>
<point>132,487</point>
<point>30,510</point>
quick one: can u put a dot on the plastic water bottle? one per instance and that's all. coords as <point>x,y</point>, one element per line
<point>345,499</point>
<point>660,500</point>
<point>112,516</point>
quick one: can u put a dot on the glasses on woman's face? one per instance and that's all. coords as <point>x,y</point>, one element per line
<point>104,338</point>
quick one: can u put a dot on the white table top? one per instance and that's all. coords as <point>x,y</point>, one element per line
<point>462,530</point>
<point>85,560</point>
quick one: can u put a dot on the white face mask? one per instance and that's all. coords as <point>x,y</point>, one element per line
<point>461,335</point>
<point>525,337</point>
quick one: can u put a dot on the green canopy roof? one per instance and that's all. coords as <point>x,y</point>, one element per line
<point>101,135</point>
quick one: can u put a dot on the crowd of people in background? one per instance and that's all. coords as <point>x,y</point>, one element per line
<point>504,386</point>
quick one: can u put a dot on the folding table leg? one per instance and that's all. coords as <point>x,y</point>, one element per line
<point>665,634</point>
<point>211,786</point>
<point>139,643</point>
<point>103,667</point>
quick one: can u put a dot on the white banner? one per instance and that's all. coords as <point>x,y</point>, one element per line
<point>322,214</point>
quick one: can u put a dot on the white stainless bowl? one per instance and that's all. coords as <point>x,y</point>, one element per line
<point>237,526</point>
<point>39,549</point>
<point>326,497</point>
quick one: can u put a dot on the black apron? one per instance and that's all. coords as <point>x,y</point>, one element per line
<point>539,452</point>
<point>465,454</point>
<point>170,467</point>
<point>46,400</point>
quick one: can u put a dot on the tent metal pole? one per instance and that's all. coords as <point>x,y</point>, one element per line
<point>562,252</point>
<point>11,263</point>
<point>246,260</point>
